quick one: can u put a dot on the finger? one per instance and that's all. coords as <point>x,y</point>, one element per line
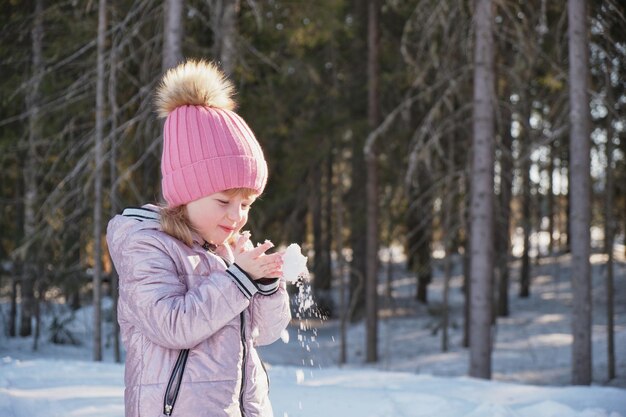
<point>243,238</point>
<point>274,273</point>
<point>273,258</point>
<point>273,266</point>
<point>228,251</point>
<point>260,250</point>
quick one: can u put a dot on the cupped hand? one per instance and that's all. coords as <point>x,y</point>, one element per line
<point>255,261</point>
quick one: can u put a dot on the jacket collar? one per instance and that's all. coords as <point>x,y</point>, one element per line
<point>147,212</point>
<point>150,212</point>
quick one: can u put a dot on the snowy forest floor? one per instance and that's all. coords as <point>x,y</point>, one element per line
<point>532,345</point>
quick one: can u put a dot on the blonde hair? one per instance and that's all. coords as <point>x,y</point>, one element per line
<point>176,223</point>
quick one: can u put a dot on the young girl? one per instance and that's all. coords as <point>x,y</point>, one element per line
<point>195,296</point>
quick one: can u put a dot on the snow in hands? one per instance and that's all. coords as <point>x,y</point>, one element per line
<point>294,264</point>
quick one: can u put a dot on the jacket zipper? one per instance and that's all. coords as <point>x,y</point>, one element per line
<point>243,363</point>
<point>174,383</point>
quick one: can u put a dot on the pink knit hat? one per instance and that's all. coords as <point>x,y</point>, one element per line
<point>207,147</point>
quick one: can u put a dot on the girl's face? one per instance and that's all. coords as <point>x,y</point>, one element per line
<point>219,216</point>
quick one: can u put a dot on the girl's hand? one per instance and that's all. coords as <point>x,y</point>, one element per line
<point>255,262</point>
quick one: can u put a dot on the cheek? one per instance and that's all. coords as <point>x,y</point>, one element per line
<point>191,216</point>
<point>243,221</point>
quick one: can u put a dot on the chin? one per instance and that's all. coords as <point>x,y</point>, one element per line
<point>224,240</point>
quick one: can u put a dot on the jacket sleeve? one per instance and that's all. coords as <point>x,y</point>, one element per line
<point>155,301</point>
<point>270,314</point>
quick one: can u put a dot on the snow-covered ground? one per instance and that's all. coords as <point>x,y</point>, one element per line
<point>51,388</point>
<point>532,345</point>
<point>531,360</point>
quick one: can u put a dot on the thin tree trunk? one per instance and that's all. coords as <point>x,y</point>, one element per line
<point>481,274</point>
<point>321,268</point>
<point>13,308</point>
<point>30,176</point>
<point>609,233</point>
<point>564,208</point>
<point>525,144</point>
<point>16,272</point>
<point>113,197</point>
<point>551,199</point>
<point>344,281</point>
<point>172,33</point>
<point>328,232</point>
<point>358,229</point>
<point>421,236</point>
<point>579,190</point>
<point>99,162</point>
<point>524,287</point>
<point>504,217</point>
<point>568,208</point>
<point>37,317</point>
<point>371,158</point>
<point>41,295</point>
<point>506,182</point>
<point>464,215</point>
<point>224,22</point>
<point>358,225</point>
<point>447,210</point>
<point>319,282</point>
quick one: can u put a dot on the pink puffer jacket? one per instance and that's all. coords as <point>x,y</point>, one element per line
<point>173,297</point>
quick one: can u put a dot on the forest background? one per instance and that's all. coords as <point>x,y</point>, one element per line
<point>369,113</point>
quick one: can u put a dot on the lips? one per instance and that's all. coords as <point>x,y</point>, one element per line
<point>227,229</point>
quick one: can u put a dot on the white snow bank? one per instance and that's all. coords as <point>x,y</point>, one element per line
<point>51,388</point>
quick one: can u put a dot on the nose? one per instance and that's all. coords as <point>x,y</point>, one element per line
<point>236,212</point>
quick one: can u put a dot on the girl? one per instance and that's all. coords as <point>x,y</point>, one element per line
<point>195,297</point>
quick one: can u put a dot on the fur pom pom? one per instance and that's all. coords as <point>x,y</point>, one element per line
<point>197,83</point>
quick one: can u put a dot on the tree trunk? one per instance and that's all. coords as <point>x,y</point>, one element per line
<point>321,266</point>
<point>113,196</point>
<point>504,239</point>
<point>341,266</point>
<point>328,232</point>
<point>481,273</point>
<point>99,163</point>
<point>16,272</point>
<point>371,278</point>
<point>41,296</point>
<point>13,308</point>
<point>224,22</point>
<point>579,190</point>
<point>609,233</point>
<point>568,207</point>
<point>447,209</point>
<point>27,286</point>
<point>524,285</point>
<point>503,217</point>
<point>358,225</point>
<point>563,206</point>
<point>464,215</point>
<point>551,199</point>
<point>421,234</point>
<point>172,33</point>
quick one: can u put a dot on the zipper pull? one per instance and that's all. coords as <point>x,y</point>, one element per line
<point>168,410</point>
